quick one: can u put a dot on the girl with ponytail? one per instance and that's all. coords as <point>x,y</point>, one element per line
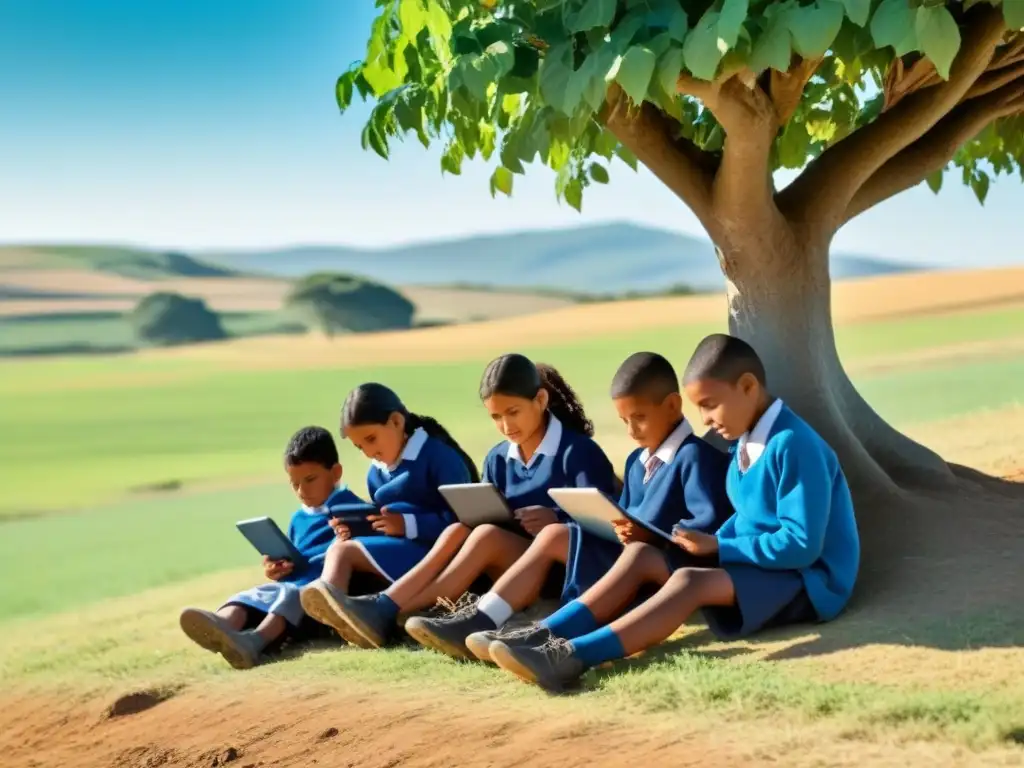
<point>411,455</point>
<point>548,444</point>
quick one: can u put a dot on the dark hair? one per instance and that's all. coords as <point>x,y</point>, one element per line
<point>313,445</point>
<point>645,374</point>
<point>374,403</point>
<point>516,375</point>
<point>724,358</point>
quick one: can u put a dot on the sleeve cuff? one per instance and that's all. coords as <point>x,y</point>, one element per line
<point>728,552</point>
<point>411,528</point>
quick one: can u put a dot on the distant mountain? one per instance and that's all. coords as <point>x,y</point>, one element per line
<point>136,263</point>
<point>612,258</point>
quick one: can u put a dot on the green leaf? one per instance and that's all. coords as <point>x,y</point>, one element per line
<point>670,66</point>
<point>412,16</point>
<point>980,183</point>
<point>555,72</point>
<point>574,194</point>
<point>626,155</point>
<point>701,53</point>
<point>343,90</point>
<point>1013,12</point>
<point>606,144</point>
<point>503,57</point>
<point>939,36</point>
<point>678,25</point>
<point>773,50</point>
<point>730,20</point>
<point>792,145</point>
<point>372,139</point>
<point>814,27</point>
<point>594,13</point>
<point>935,180</point>
<point>488,138</point>
<point>501,181</point>
<point>892,22</point>
<point>451,160</point>
<point>635,72</point>
<point>599,173</point>
<point>858,11</point>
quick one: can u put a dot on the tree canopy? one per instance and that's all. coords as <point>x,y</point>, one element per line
<point>169,318</point>
<point>576,83</point>
<point>338,303</point>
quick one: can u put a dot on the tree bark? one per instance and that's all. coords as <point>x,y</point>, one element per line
<point>779,296</point>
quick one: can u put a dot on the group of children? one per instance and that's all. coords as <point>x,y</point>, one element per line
<point>761,536</point>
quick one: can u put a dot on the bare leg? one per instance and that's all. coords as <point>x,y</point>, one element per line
<point>403,591</point>
<point>638,564</point>
<point>684,592</point>
<point>271,628</point>
<point>234,615</point>
<point>489,549</point>
<point>342,558</point>
<point>521,584</point>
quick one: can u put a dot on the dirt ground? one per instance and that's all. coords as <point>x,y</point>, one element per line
<point>344,727</point>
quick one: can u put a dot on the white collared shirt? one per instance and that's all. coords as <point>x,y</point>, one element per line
<point>411,452</point>
<point>751,444</point>
<point>668,449</point>
<point>548,446</point>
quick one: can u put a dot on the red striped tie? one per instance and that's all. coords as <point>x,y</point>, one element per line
<point>650,467</point>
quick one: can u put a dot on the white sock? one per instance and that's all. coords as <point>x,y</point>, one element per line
<point>493,607</point>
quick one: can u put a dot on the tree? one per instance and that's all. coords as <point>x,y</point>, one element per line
<point>343,303</point>
<point>166,319</point>
<point>868,97</point>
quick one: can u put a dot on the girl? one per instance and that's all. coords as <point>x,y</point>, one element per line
<point>411,456</point>
<point>548,445</point>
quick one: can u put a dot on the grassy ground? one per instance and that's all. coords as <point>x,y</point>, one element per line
<point>129,472</point>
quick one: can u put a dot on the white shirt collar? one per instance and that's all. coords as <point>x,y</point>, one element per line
<point>411,452</point>
<point>752,443</point>
<point>667,450</point>
<point>325,507</point>
<point>548,446</point>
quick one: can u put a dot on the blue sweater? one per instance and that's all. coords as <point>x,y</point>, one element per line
<point>689,489</point>
<point>794,512</point>
<point>311,534</point>
<point>575,461</point>
<point>410,487</point>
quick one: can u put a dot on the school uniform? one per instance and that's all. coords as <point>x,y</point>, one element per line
<point>683,481</point>
<point>409,487</point>
<point>311,534</point>
<point>792,548</point>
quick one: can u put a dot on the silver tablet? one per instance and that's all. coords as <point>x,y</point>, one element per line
<point>476,503</point>
<point>595,512</point>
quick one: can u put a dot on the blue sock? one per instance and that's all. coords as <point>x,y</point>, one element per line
<point>598,647</point>
<point>387,606</point>
<point>573,619</point>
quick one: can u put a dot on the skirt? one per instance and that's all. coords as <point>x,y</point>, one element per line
<point>590,558</point>
<point>391,556</point>
<point>764,599</point>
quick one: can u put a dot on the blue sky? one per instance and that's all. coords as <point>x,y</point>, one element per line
<point>212,123</point>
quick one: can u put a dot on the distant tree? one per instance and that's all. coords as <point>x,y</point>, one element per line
<point>338,303</point>
<point>165,319</point>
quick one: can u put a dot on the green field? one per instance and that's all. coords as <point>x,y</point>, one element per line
<point>123,476</point>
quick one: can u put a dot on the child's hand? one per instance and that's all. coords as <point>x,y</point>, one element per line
<point>533,519</point>
<point>627,531</point>
<point>695,542</point>
<point>340,529</point>
<point>389,523</point>
<point>275,570</point>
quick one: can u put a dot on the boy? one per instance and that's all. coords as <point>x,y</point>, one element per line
<point>789,554</point>
<point>673,477</point>
<point>248,623</point>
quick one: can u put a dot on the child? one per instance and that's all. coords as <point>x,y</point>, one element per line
<point>274,610</point>
<point>789,554</point>
<point>672,477</point>
<point>548,445</point>
<point>411,456</point>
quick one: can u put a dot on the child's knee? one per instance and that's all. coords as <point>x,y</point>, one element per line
<point>683,579</point>
<point>554,539</point>
<point>640,552</point>
<point>456,532</point>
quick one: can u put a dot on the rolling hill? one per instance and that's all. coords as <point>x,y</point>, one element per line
<point>612,258</point>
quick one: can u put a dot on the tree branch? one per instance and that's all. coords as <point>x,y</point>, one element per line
<point>993,81</point>
<point>844,168</point>
<point>742,192</point>
<point>650,135</point>
<point>936,148</point>
<point>787,88</point>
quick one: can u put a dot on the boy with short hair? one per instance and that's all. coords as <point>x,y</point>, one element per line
<point>672,478</point>
<point>243,628</point>
<point>789,554</point>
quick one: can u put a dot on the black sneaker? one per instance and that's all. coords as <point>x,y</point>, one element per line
<point>552,666</point>
<point>479,643</point>
<point>358,620</point>
<point>448,633</point>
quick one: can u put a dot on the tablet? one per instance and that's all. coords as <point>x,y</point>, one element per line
<point>595,512</point>
<point>268,539</point>
<point>477,503</point>
<point>355,517</point>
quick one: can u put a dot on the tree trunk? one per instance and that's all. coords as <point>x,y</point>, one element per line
<point>780,302</point>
